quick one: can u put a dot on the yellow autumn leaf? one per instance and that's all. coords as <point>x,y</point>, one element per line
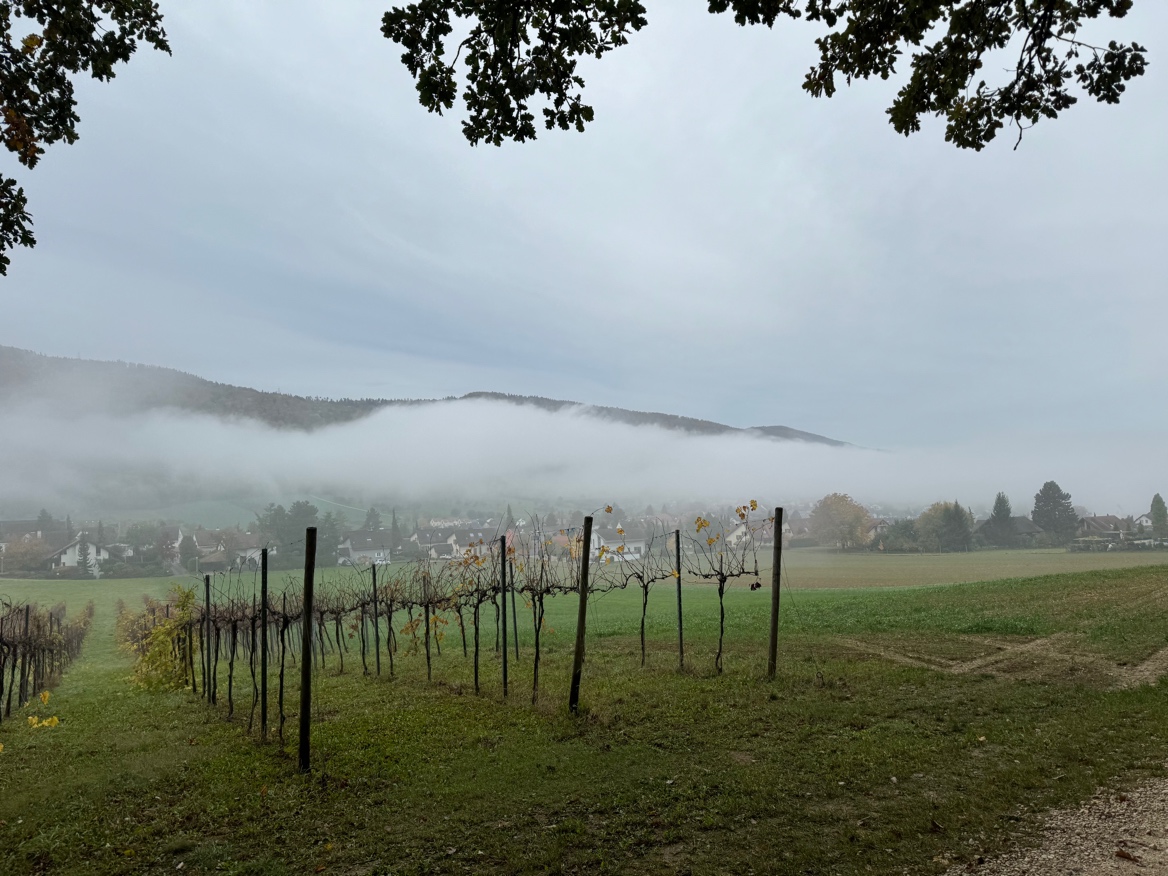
<point>607,509</point>
<point>44,697</point>
<point>619,531</point>
<point>753,505</point>
<point>32,721</point>
<point>1,746</point>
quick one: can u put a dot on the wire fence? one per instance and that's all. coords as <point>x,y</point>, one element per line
<point>36,646</point>
<point>229,638</point>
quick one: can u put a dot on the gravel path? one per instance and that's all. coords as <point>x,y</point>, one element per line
<point>1114,832</point>
<point>1111,834</point>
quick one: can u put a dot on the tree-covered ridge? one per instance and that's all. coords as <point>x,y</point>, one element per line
<point>121,388</point>
<point>692,425</point>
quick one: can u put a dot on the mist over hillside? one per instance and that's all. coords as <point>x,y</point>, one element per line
<point>86,386</point>
<point>87,444</point>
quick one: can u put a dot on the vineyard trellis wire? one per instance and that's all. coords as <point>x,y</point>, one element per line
<point>36,646</point>
<point>240,622</point>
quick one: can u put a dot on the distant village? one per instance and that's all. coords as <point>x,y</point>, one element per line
<point>92,548</point>
<point>46,546</point>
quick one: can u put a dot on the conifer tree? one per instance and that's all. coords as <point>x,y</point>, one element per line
<point>84,563</point>
<point>395,536</point>
<point>1159,515</point>
<point>187,552</point>
<point>328,539</point>
<point>372,520</point>
<point>999,529</point>
<point>957,530</point>
<point>1054,512</point>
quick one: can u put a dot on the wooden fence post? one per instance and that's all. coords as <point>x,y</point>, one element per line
<point>773,653</point>
<point>581,620</point>
<point>24,695</point>
<point>503,598</point>
<point>207,636</point>
<point>514,613</point>
<point>264,643</point>
<point>306,649</point>
<point>376,622</point>
<point>677,566</point>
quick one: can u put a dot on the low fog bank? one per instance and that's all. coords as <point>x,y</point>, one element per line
<point>481,450</point>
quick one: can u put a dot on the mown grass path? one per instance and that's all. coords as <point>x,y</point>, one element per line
<point>848,763</point>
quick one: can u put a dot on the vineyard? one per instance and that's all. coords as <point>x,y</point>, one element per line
<point>233,640</point>
<point>906,729</point>
<point>36,646</point>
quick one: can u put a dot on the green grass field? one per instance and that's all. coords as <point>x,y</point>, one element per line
<point>820,567</point>
<point>907,728</point>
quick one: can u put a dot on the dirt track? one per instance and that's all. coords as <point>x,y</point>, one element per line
<point>1111,834</point>
<point>1031,658</point>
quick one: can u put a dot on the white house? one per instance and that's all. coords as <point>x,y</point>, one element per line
<point>761,531</point>
<point>362,547</point>
<point>18,530</point>
<point>66,557</point>
<point>239,549</point>
<point>634,539</point>
<point>476,541</point>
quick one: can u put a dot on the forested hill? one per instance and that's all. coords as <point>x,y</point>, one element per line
<point>664,421</point>
<point>90,386</point>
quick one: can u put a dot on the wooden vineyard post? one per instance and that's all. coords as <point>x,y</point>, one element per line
<point>376,622</point>
<point>306,649</point>
<point>581,619</point>
<point>677,569</point>
<point>514,613</point>
<point>773,653</point>
<point>190,661</point>
<point>24,694</point>
<point>207,635</point>
<point>477,606</point>
<point>503,598</point>
<point>264,643</point>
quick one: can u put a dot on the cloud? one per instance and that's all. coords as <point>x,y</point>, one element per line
<point>489,450</point>
<point>270,206</point>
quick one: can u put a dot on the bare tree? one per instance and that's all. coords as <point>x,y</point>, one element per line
<point>719,550</point>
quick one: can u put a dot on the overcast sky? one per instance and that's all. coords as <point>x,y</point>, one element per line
<point>270,207</point>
